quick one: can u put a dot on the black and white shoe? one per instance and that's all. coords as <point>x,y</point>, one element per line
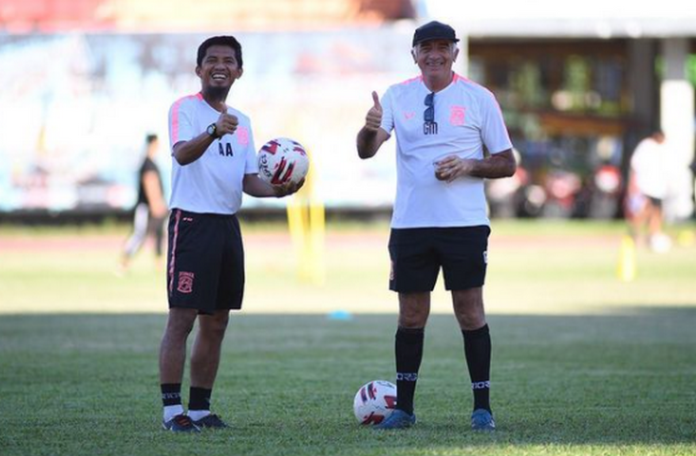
<point>211,421</point>
<point>180,423</point>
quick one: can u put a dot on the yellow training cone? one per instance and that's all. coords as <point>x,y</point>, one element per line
<point>686,238</point>
<point>626,270</point>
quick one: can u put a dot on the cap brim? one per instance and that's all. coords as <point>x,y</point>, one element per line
<point>431,38</point>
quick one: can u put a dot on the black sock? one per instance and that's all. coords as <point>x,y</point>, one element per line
<point>477,347</point>
<point>199,398</point>
<point>409,353</point>
<point>171,394</point>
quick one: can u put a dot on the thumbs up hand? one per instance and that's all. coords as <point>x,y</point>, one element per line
<point>374,116</point>
<point>226,123</point>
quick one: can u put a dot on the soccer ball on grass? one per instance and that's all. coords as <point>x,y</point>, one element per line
<point>374,402</point>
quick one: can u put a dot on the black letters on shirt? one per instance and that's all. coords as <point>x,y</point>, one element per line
<point>225,151</point>
<point>430,128</point>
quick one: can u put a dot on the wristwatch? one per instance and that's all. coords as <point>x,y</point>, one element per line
<point>212,130</point>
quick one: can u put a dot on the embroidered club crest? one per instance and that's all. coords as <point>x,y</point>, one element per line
<point>457,115</point>
<point>185,282</point>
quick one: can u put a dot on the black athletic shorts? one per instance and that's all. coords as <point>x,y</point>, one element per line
<point>418,253</point>
<point>656,202</point>
<point>205,262</point>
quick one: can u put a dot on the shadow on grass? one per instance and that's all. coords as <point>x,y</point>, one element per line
<point>287,383</point>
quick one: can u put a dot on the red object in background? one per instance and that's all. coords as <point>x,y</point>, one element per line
<point>30,16</point>
<point>562,186</point>
<point>607,179</point>
<point>24,16</point>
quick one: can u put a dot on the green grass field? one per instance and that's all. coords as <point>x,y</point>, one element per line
<point>584,364</point>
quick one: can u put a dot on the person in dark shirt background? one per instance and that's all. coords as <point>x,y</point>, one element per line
<point>150,209</point>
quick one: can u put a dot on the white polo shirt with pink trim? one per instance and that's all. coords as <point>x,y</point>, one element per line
<point>467,117</point>
<point>213,183</point>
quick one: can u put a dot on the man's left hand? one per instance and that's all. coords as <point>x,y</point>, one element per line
<point>452,167</point>
<point>288,188</point>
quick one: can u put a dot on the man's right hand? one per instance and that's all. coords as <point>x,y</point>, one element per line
<point>371,136</point>
<point>373,120</point>
<point>226,124</point>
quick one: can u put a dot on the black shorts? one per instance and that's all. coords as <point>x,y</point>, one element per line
<point>205,262</point>
<point>418,253</point>
<point>656,202</point>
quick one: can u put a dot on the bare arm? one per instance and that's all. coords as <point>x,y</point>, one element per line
<point>371,136</point>
<point>495,166</point>
<point>369,141</point>
<point>153,191</point>
<point>254,186</point>
<point>187,152</point>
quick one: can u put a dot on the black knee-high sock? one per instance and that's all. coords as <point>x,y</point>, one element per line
<point>171,394</point>
<point>408,348</point>
<point>199,398</point>
<point>477,347</point>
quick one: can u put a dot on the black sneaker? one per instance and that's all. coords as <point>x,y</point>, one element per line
<point>180,423</point>
<point>397,420</point>
<point>482,420</point>
<point>210,421</point>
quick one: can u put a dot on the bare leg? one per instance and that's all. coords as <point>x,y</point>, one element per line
<point>655,220</point>
<point>468,308</point>
<point>173,348</point>
<point>414,309</point>
<point>205,356</point>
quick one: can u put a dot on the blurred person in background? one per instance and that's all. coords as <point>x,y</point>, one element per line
<point>150,208</point>
<point>647,187</point>
<point>213,163</point>
<point>443,125</point>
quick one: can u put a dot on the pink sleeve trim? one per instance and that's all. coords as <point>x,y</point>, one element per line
<point>175,115</point>
<point>416,79</point>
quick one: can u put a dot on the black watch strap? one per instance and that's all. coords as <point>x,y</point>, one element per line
<point>212,130</point>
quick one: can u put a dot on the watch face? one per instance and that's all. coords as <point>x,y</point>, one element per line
<point>212,128</point>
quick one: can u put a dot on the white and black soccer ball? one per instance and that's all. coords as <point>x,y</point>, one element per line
<point>282,160</point>
<point>374,402</point>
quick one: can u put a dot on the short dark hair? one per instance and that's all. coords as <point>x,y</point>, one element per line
<point>220,41</point>
<point>150,138</point>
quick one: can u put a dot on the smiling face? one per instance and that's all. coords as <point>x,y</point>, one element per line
<point>218,71</point>
<point>435,59</point>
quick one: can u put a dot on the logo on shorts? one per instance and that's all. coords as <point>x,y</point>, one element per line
<point>185,282</point>
<point>485,256</point>
<point>391,272</point>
